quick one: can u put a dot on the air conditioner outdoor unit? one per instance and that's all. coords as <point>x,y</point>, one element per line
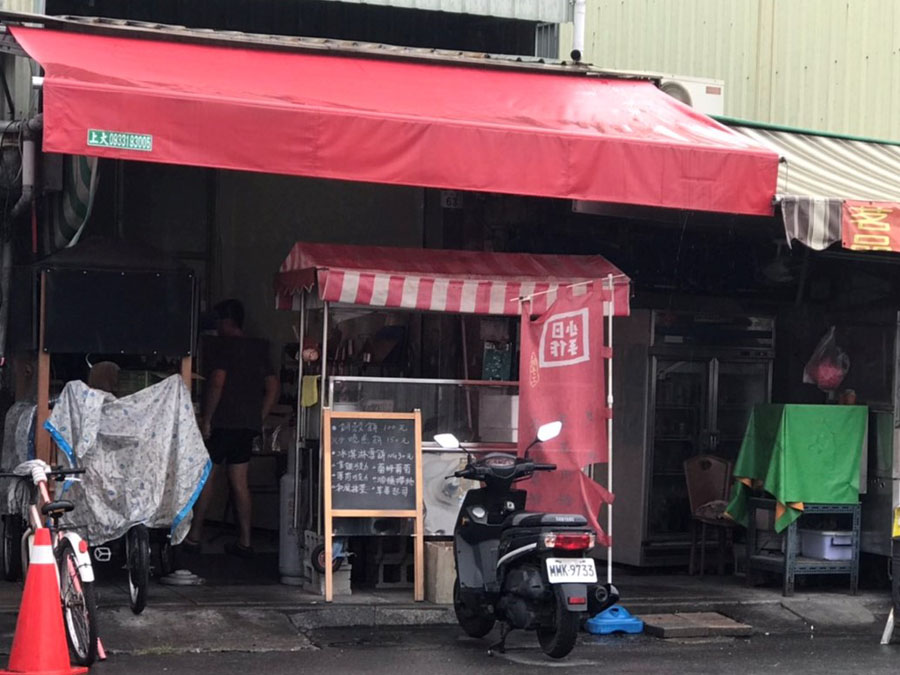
<point>704,94</point>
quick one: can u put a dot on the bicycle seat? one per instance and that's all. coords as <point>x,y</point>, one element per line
<point>57,508</point>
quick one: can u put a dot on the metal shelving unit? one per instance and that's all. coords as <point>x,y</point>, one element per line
<point>790,563</point>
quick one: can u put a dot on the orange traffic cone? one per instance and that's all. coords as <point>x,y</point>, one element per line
<point>39,647</point>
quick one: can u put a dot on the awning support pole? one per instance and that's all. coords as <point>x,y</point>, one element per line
<point>42,445</point>
<point>526,298</point>
<point>609,429</point>
<point>295,521</point>
<point>465,356</point>
<point>322,390</point>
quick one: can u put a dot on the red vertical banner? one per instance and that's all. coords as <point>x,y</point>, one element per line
<point>870,226</point>
<point>561,377</point>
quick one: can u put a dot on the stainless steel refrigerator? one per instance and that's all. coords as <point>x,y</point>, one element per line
<point>684,385</point>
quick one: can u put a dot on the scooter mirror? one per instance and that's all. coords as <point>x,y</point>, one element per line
<point>447,441</point>
<point>549,431</point>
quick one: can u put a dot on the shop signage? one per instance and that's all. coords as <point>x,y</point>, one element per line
<point>870,226</point>
<point>562,378</point>
<point>373,469</point>
<point>565,339</point>
<point>101,138</point>
<point>373,463</point>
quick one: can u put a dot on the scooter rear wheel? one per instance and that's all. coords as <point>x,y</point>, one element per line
<point>473,624</point>
<point>559,639</point>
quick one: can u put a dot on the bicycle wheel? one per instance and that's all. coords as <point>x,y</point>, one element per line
<point>79,606</point>
<point>137,548</point>
<point>11,547</point>
<point>166,558</point>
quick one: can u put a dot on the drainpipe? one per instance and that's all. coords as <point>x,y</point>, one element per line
<point>578,37</point>
<point>28,160</point>
<point>29,129</point>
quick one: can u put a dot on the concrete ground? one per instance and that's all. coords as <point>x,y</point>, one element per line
<point>273,617</point>
<point>243,608</point>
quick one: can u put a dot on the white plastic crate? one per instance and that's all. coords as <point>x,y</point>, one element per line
<point>826,544</point>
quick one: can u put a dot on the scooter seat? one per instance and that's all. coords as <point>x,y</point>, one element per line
<point>528,519</point>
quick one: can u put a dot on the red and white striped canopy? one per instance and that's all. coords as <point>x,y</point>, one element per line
<point>469,282</point>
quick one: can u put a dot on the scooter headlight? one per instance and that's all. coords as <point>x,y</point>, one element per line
<point>500,461</point>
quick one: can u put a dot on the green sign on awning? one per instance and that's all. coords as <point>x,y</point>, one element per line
<point>121,140</point>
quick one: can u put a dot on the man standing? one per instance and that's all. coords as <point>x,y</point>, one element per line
<point>241,389</point>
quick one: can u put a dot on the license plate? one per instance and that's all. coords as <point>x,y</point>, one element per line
<point>571,571</point>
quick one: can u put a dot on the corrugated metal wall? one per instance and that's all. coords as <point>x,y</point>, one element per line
<point>831,65</point>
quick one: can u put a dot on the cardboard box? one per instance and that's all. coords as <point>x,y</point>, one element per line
<point>440,572</point>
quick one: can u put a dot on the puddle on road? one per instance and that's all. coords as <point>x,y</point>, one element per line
<point>617,640</point>
<point>537,658</point>
<point>367,641</point>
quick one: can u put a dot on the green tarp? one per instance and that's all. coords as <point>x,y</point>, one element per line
<point>800,453</point>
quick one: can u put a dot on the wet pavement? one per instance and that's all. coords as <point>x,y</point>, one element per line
<point>444,651</point>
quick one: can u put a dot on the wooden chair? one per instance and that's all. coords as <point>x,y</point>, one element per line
<point>709,486</point>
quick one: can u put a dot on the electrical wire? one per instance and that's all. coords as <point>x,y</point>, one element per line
<point>678,256</point>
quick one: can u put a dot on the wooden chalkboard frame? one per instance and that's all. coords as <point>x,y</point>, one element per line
<point>417,513</point>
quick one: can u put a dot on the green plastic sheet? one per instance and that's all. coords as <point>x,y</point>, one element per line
<point>800,454</point>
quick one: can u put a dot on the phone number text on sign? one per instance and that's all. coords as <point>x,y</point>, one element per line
<point>565,339</point>
<point>120,140</point>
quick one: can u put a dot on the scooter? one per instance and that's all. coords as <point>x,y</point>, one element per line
<point>526,570</point>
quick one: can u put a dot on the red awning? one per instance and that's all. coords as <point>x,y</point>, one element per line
<point>392,121</point>
<point>470,282</point>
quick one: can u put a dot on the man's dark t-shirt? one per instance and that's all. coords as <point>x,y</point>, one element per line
<point>246,365</point>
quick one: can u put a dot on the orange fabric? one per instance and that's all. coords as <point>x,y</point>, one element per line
<point>781,509</point>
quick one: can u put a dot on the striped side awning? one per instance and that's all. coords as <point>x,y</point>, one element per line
<point>814,221</point>
<point>819,172</point>
<point>467,282</point>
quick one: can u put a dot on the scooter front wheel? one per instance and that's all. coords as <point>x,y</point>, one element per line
<point>474,624</point>
<point>558,639</point>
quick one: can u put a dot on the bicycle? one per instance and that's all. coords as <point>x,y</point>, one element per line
<point>76,574</point>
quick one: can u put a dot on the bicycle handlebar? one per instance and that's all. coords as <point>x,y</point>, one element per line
<point>53,472</point>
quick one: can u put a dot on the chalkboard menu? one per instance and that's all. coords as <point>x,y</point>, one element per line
<point>373,463</point>
<point>373,468</point>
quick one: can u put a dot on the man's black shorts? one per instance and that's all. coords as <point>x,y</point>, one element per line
<point>231,446</point>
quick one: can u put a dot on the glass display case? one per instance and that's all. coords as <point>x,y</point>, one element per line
<point>701,407</point>
<point>475,411</point>
<point>680,423</point>
<point>483,415</point>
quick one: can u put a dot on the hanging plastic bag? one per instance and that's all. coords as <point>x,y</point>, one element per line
<point>828,365</point>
